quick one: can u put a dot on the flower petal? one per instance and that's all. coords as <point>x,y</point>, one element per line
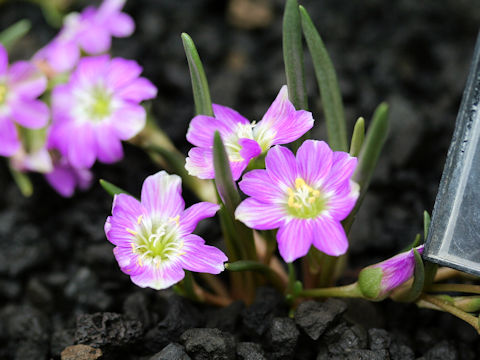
<point>60,55</point>
<point>160,277</point>
<point>200,257</point>
<point>281,166</point>
<point>314,160</point>
<point>121,25</point>
<point>202,129</point>
<point>32,114</point>
<point>26,80</point>
<point>9,143</point>
<point>259,215</point>
<point>329,237</point>
<point>343,166</point>
<point>161,195</point>
<point>62,180</point>
<point>228,116</point>
<point>128,120</point>
<point>341,203</point>
<point>258,184</point>
<point>295,238</point>
<point>250,148</point>
<point>195,213</point>
<point>89,70</point>
<point>81,146</point>
<point>109,147</point>
<point>199,163</point>
<point>3,60</point>
<point>138,90</point>
<point>122,72</point>
<point>95,39</point>
<point>282,124</point>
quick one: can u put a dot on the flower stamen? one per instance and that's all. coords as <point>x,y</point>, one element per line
<point>305,201</point>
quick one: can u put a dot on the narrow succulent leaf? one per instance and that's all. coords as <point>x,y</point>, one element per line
<point>430,272</point>
<point>293,55</point>
<point>227,189</point>
<point>371,149</point>
<point>426,224</point>
<point>12,34</point>
<point>416,241</point>
<point>201,92</point>
<point>358,137</point>
<point>418,281</point>
<point>23,182</point>
<point>112,189</point>
<point>327,83</point>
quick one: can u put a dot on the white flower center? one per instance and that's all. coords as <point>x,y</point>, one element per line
<point>156,241</point>
<point>94,104</point>
<point>243,131</point>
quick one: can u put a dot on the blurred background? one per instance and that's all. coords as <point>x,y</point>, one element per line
<point>413,54</point>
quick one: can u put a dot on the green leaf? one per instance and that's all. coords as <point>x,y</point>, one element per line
<point>430,272</point>
<point>426,224</point>
<point>293,55</point>
<point>227,188</point>
<point>23,182</point>
<point>418,281</point>
<point>416,242</point>
<point>112,189</point>
<point>13,33</point>
<point>358,137</point>
<point>371,149</point>
<point>327,83</point>
<point>201,93</point>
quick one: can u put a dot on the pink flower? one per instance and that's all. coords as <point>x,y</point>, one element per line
<point>20,86</point>
<point>376,281</point>
<point>97,109</point>
<point>153,238</point>
<point>91,31</point>
<point>305,197</point>
<point>243,140</point>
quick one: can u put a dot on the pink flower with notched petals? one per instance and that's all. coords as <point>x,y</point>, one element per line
<point>20,86</point>
<point>97,109</point>
<point>153,237</point>
<point>305,197</point>
<point>90,31</point>
<point>243,140</point>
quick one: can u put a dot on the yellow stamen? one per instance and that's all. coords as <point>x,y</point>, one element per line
<point>311,200</point>
<point>291,201</point>
<point>139,219</point>
<point>134,233</point>
<point>299,183</point>
<point>290,192</point>
<point>134,248</point>
<point>316,193</point>
<point>3,92</point>
<point>175,219</point>
<point>139,261</point>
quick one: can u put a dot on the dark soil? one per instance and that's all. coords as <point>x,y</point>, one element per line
<point>59,283</point>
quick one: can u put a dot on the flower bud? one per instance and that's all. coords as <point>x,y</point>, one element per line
<point>377,281</point>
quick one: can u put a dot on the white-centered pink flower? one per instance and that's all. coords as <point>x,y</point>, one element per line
<point>305,197</point>
<point>153,237</point>
<point>97,109</point>
<point>243,140</point>
<point>20,85</point>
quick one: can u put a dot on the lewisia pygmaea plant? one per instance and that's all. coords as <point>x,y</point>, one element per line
<point>295,194</point>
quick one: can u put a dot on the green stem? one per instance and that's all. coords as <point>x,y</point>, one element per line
<point>347,291</point>
<point>247,265</point>
<point>463,288</point>
<point>292,276</point>
<point>444,305</point>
